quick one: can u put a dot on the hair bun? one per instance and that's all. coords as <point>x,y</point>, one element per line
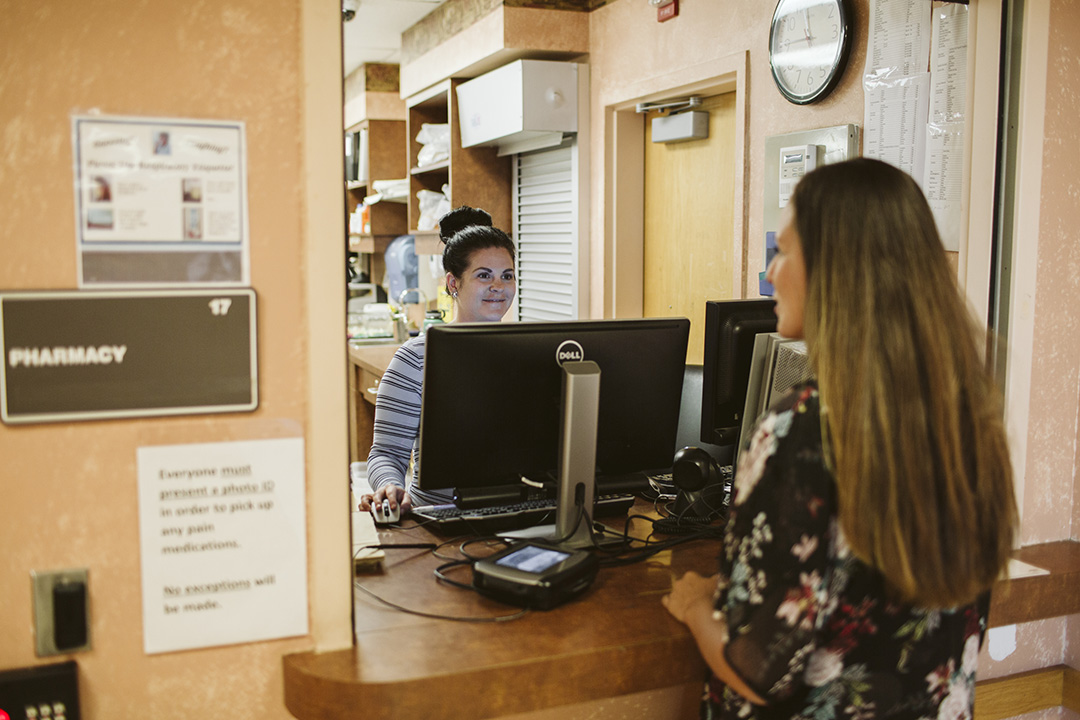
<point>460,218</point>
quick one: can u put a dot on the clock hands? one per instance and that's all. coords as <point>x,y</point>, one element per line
<point>808,36</point>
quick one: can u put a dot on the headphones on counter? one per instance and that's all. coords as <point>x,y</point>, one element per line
<point>704,491</point>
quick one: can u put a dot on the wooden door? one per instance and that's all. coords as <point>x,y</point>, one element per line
<point>689,221</point>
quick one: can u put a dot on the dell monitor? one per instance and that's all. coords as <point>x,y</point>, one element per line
<point>493,399</point>
<point>731,326</point>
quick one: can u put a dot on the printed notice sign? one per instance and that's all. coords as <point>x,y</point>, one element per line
<point>160,202</point>
<point>223,541</point>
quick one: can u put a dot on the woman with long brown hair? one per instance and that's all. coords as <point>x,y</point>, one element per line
<point>873,507</point>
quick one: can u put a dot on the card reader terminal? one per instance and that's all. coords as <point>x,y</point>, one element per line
<point>535,575</point>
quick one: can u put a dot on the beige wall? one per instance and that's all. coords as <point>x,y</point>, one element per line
<point>633,57</point>
<point>1044,371</point>
<point>1052,480</point>
<point>68,490</point>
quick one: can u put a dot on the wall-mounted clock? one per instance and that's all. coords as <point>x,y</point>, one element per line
<point>809,43</point>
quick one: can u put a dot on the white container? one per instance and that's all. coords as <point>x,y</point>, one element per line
<point>376,321</point>
<point>525,105</point>
<point>360,294</point>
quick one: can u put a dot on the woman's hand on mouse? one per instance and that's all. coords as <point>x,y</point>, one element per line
<point>394,493</point>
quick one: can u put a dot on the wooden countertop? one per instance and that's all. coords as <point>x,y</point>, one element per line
<point>614,640</point>
<point>373,358</point>
<point>1042,596</point>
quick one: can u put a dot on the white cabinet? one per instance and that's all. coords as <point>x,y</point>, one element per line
<point>524,105</point>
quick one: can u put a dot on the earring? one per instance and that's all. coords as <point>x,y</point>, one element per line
<point>454,294</point>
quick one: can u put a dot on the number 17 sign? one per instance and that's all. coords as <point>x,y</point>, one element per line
<point>91,355</point>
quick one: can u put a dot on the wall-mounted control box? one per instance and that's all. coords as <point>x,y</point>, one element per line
<point>788,157</point>
<point>44,692</point>
<point>795,161</point>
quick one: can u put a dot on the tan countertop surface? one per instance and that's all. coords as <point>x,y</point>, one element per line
<point>373,358</point>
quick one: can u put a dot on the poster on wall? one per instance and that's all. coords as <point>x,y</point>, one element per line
<point>223,543</point>
<point>160,202</point>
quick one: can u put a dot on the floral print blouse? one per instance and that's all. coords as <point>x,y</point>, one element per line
<point>810,628</point>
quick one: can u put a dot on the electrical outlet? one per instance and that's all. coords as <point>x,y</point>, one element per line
<point>61,611</point>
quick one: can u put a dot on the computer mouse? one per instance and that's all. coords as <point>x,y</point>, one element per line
<point>384,514</point>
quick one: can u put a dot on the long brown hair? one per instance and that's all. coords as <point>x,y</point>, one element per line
<point>911,418</point>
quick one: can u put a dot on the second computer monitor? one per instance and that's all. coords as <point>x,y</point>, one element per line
<point>492,393</point>
<point>731,327</point>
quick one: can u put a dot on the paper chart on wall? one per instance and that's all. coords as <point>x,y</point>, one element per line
<point>160,201</point>
<point>223,543</point>
<point>896,113</point>
<point>915,94</point>
<point>899,41</point>
<point>896,83</point>
<point>943,175</point>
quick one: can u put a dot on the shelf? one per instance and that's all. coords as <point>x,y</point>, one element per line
<point>387,159</point>
<point>435,167</point>
<point>371,243</point>
<point>476,176</point>
<point>427,242</point>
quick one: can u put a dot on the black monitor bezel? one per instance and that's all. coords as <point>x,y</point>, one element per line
<point>440,349</point>
<point>730,329</point>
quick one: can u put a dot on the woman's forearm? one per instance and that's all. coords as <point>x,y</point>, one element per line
<point>691,603</point>
<point>711,637</point>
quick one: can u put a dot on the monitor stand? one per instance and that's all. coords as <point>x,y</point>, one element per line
<point>577,461</point>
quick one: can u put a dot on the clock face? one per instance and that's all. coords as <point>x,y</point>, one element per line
<point>808,47</point>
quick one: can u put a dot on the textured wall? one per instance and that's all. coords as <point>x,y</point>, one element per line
<point>1057,321</point>
<point>629,48</point>
<point>1052,490</point>
<point>68,491</point>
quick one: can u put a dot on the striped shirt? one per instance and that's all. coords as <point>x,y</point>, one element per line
<point>396,438</point>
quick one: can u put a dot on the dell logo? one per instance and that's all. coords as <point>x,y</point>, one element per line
<point>569,351</point>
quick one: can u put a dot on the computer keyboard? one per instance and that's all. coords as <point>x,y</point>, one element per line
<point>517,514</point>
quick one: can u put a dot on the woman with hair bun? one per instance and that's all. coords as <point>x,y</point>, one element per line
<point>873,507</point>
<point>479,264</point>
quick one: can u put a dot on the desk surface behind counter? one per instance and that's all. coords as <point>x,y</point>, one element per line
<point>615,640</point>
<point>367,363</point>
<point>373,358</point>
